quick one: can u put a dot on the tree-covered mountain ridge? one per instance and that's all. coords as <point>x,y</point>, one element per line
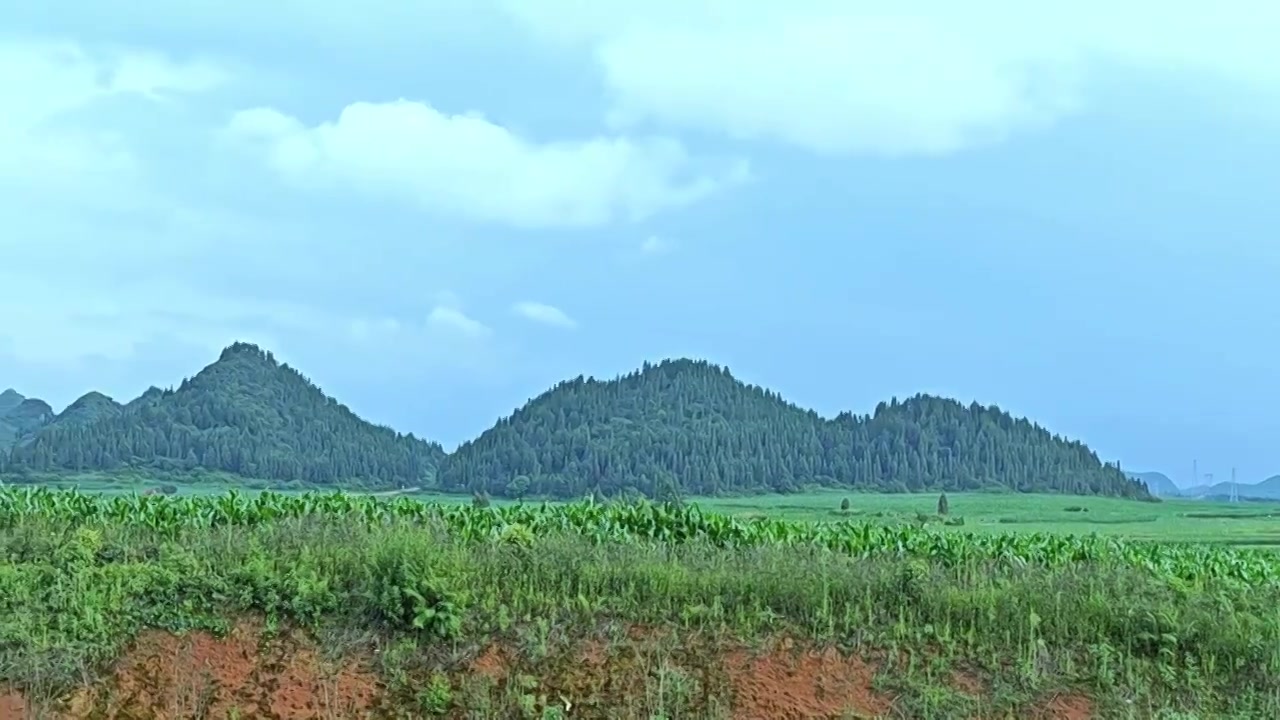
<point>245,414</point>
<point>673,428</point>
<point>690,427</point>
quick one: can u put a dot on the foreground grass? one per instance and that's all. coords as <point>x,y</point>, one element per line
<point>76,586</point>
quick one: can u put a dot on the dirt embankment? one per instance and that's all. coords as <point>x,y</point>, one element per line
<point>247,674</point>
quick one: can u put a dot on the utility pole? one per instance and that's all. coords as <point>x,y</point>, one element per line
<point>1235,491</point>
<point>1195,472</point>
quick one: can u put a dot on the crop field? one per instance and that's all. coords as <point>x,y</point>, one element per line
<point>400,608</point>
<point>1249,524</point>
<point>1175,520</point>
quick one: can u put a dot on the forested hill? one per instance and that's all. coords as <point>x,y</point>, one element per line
<point>20,416</point>
<point>245,414</point>
<point>928,442</point>
<point>677,428</point>
<point>9,399</point>
<point>87,409</point>
<point>688,427</point>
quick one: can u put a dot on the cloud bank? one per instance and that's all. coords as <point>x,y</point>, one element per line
<point>926,77</point>
<point>544,314</point>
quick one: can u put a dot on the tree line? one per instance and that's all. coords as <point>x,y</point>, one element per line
<point>668,430</point>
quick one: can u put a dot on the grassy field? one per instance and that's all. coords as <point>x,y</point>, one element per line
<point>632,611</point>
<point>1246,524</point>
<point>1252,524</point>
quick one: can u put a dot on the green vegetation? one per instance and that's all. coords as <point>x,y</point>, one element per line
<point>245,414</point>
<point>1148,630</point>
<point>682,428</point>
<point>19,417</point>
<point>679,428</point>
<point>10,399</point>
<point>1181,521</point>
<point>1178,520</point>
<point>86,410</point>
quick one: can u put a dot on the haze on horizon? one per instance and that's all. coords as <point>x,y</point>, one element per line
<point>437,210</point>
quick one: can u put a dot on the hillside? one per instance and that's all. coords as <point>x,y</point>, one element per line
<point>690,427</point>
<point>244,414</point>
<point>21,416</point>
<point>9,399</point>
<point>88,409</point>
<point>1158,483</point>
<point>1268,489</point>
<point>928,442</point>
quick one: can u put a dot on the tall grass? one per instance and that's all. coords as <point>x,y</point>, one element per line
<point>1146,627</point>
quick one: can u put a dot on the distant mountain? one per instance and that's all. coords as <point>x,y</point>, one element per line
<point>244,414</point>
<point>20,417</point>
<point>1268,489</point>
<point>676,428</point>
<point>9,399</point>
<point>689,427</point>
<point>150,396</point>
<point>86,410</point>
<point>1158,483</point>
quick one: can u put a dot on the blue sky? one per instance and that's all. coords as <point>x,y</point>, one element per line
<point>438,209</point>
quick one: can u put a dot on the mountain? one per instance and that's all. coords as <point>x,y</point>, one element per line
<point>88,409</point>
<point>244,414</point>
<point>1268,489</point>
<point>690,427</point>
<point>1158,483</point>
<point>21,418</point>
<point>9,399</point>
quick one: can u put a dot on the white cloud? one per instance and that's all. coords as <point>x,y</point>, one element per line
<point>92,190</point>
<point>453,319</point>
<point>469,167</point>
<point>545,314</point>
<point>48,87</point>
<point>82,210</point>
<point>655,245</point>
<point>926,77</point>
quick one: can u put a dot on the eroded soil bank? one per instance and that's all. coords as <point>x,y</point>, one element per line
<point>631,673</point>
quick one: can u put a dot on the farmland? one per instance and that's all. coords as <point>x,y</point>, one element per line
<point>1251,524</point>
<point>646,610</point>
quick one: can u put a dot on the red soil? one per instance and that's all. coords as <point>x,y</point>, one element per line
<point>12,705</point>
<point>242,675</point>
<point>789,683</point>
<point>1070,706</point>
<point>968,683</point>
<point>249,675</point>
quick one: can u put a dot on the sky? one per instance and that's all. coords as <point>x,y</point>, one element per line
<point>436,210</point>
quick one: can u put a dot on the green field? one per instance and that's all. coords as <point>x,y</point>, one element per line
<point>1252,524</point>
<point>1246,524</point>
<point>681,604</point>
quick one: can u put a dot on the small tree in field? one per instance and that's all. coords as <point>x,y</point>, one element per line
<point>844,505</point>
<point>943,509</point>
